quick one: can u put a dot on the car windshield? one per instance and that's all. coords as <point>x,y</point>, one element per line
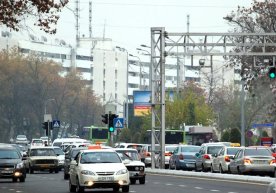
<point>213,149</point>
<point>9,154</point>
<point>232,151</point>
<point>170,148</point>
<point>42,152</point>
<point>37,141</point>
<point>131,155</point>
<point>257,152</point>
<point>21,136</point>
<point>100,157</point>
<point>190,149</point>
<point>58,151</point>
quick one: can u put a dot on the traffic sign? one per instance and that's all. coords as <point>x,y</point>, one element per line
<point>249,133</point>
<point>256,125</point>
<point>56,124</point>
<point>118,122</point>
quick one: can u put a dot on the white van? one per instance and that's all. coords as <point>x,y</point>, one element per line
<point>64,142</point>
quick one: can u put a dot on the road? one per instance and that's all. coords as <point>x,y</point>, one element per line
<point>155,183</point>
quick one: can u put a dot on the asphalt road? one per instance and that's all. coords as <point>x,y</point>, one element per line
<point>155,183</point>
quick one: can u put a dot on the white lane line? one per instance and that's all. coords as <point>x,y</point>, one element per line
<point>11,189</point>
<point>169,184</point>
<point>199,188</point>
<point>232,192</point>
<point>214,190</point>
<point>132,191</point>
<point>182,185</point>
<point>18,191</point>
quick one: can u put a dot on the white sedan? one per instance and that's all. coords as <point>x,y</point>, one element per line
<point>98,168</point>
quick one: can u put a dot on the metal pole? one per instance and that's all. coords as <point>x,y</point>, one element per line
<point>48,129</point>
<point>177,72</point>
<point>242,115</point>
<point>127,91</point>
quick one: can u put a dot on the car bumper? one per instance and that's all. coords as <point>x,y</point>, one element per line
<point>44,167</point>
<point>17,173</point>
<point>106,181</point>
<point>136,175</point>
<point>187,164</point>
<point>258,168</point>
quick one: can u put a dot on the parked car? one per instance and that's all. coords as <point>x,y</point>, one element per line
<point>136,168</point>
<point>253,160</point>
<point>169,149</point>
<point>136,146</point>
<point>69,156</point>
<point>145,153</point>
<point>11,163</point>
<point>205,155</point>
<point>98,168</point>
<point>183,157</point>
<point>221,160</point>
<point>42,158</point>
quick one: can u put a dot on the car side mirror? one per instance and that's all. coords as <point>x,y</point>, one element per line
<point>24,157</point>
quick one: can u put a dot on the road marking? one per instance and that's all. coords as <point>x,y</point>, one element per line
<point>232,192</point>
<point>182,185</point>
<point>199,188</point>
<point>18,191</point>
<point>132,191</point>
<point>214,190</point>
<point>169,184</point>
<point>11,189</point>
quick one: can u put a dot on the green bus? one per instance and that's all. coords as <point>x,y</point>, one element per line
<point>97,135</point>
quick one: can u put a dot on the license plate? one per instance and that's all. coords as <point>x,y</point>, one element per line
<point>105,178</point>
<point>7,172</point>
<point>45,166</point>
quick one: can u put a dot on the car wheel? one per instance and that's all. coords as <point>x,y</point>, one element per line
<point>65,176</point>
<point>116,189</point>
<point>22,179</point>
<point>220,169</point>
<point>239,171</point>
<point>31,171</point>
<point>274,174</point>
<point>196,169</point>
<point>229,170</point>
<point>132,181</point>
<point>72,188</point>
<point>203,168</point>
<point>14,179</point>
<point>51,171</point>
<point>80,189</point>
<point>176,167</point>
<point>142,180</point>
<point>125,189</point>
<point>56,170</point>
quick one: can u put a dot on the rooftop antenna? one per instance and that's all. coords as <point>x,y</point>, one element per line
<point>77,15</point>
<point>90,19</point>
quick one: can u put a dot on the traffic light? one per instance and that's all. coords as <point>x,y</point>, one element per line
<point>110,122</point>
<point>272,73</point>
<point>105,119</point>
<point>45,127</point>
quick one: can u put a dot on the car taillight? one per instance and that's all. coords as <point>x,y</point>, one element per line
<point>273,161</point>
<point>181,157</point>
<point>168,154</point>
<point>206,156</point>
<point>247,161</point>
<point>227,158</point>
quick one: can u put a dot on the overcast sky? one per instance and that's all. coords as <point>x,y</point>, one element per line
<point>128,22</point>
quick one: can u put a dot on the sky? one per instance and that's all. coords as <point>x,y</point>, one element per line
<point>128,22</point>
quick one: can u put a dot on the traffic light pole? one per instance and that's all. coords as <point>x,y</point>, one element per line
<point>48,130</point>
<point>111,133</point>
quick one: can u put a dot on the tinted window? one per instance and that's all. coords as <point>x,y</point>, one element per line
<point>131,155</point>
<point>253,152</point>
<point>9,154</point>
<point>100,157</point>
<point>58,151</point>
<point>42,152</point>
<point>232,151</point>
<point>74,153</point>
<point>190,149</point>
<point>57,144</point>
<point>213,149</point>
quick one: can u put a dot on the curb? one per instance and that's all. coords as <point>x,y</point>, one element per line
<point>234,177</point>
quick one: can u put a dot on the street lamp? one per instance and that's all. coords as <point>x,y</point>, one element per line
<point>140,71</point>
<point>145,46</point>
<point>48,118</point>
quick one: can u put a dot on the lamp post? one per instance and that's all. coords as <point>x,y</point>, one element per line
<point>143,50</point>
<point>48,117</point>
<point>140,71</point>
<point>126,111</point>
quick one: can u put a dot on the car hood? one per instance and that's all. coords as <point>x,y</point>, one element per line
<point>135,163</point>
<point>103,167</point>
<point>10,161</point>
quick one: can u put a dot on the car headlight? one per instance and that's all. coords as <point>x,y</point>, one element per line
<point>19,165</point>
<point>120,172</point>
<point>141,168</point>
<point>87,172</point>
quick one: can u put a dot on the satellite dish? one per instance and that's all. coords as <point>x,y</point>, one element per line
<point>32,37</point>
<point>62,42</point>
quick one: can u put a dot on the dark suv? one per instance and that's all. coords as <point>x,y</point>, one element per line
<point>69,156</point>
<point>11,163</point>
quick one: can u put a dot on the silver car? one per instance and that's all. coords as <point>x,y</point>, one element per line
<point>253,159</point>
<point>221,161</point>
<point>205,156</point>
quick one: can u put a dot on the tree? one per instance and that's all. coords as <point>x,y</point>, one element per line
<point>235,135</point>
<point>225,136</point>
<point>14,13</point>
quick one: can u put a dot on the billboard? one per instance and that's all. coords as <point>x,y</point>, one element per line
<point>142,103</point>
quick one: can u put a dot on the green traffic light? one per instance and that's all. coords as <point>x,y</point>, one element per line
<point>111,129</point>
<point>272,75</point>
